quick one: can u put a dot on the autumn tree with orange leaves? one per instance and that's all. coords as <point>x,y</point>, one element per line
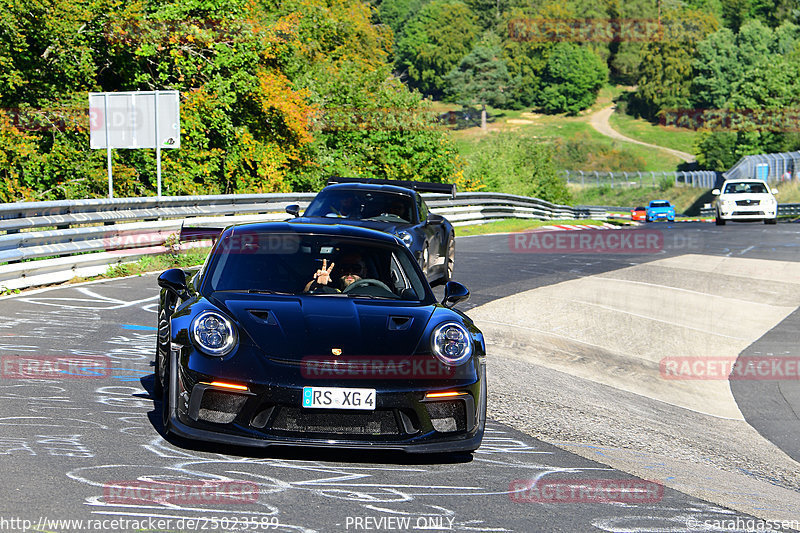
<point>275,96</point>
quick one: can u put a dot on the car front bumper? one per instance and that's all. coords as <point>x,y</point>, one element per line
<point>269,413</point>
<point>742,213</point>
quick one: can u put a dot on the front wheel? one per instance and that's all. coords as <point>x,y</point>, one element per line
<point>167,407</point>
<point>450,259</point>
<point>158,375</point>
<point>719,221</point>
<point>770,221</point>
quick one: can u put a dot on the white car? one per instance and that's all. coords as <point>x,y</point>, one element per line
<point>742,200</point>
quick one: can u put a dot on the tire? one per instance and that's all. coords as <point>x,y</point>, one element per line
<point>770,221</point>
<point>719,221</point>
<point>167,408</point>
<point>450,259</point>
<point>159,370</point>
<point>158,385</point>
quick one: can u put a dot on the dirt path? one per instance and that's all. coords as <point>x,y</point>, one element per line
<point>599,121</point>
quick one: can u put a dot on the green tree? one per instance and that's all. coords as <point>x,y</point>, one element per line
<point>395,13</point>
<point>433,42</point>
<point>480,78</point>
<point>666,68</point>
<point>370,125</point>
<point>572,79</point>
<point>751,77</point>
<point>716,69</point>
<point>716,150</point>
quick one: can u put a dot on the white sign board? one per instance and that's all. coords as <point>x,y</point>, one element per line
<point>141,119</point>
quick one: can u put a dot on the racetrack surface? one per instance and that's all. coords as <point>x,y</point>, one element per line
<point>64,442</point>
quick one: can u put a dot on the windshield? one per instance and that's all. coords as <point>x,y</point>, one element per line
<point>745,188</point>
<point>288,263</point>
<point>659,204</point>
<point>362,205</point>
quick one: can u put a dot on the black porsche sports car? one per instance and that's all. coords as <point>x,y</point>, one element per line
<point>391,206</point>
<point>317,335</point>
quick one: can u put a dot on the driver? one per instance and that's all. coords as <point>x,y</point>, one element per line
<point>351,269</point>
<point>346,206</point>
<point>398,208</point>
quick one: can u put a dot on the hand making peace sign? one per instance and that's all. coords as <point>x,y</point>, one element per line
<point>323,275</point>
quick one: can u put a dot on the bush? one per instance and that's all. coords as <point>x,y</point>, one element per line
<point>581,152</point>
<point>517,165</point>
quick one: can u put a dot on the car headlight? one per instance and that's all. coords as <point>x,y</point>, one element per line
<point>406,237</point>
<point>213,333</point>
<point>451,343</point>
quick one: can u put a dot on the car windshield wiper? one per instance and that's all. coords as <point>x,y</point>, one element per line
<point>372,296</point>
<point>267,291</point>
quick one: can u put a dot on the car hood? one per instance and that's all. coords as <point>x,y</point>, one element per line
<point>286,327</point>
<point>387,227</point>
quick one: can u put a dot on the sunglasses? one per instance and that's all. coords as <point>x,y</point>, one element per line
<point>351,268</point>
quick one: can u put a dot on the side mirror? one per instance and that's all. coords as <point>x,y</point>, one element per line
<point>174,280</point>
<point>434,220</point>
<point>293,210</point>
<point>454,293</point>
<point>715,192</point>
<point>775,191</point>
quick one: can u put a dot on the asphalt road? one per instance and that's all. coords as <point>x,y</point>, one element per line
<point>65,444</point>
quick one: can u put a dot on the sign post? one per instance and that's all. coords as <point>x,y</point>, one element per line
<point>139,119</point>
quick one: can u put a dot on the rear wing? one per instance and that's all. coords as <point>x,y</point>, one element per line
<point>422,186</point>
<point>199,234</point>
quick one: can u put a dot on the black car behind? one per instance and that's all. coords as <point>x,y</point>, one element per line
<point>399,210</point>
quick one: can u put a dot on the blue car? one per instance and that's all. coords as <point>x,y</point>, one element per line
<point>394,207</point>
<point>317,335</point>
<point>660,210</point>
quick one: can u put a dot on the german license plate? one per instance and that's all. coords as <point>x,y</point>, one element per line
<point>339,398</point>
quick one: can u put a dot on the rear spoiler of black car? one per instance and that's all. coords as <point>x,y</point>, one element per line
<point>423,186</point>
<point>199,234</point>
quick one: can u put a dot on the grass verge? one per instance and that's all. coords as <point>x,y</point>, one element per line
<point>511,225</point>
<point>153,263</point>
<point>645,131</point>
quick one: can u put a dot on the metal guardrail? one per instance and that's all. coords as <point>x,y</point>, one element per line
<point>784,210</point>
<point>694,178</point>
<point>52,242</point>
